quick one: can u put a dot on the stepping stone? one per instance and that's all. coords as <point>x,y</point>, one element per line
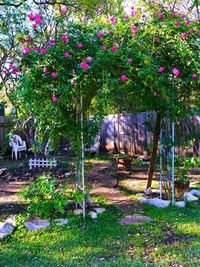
<point>61,222</point>
<point>99,210</point>
<point>5,229</point>
<point>189,197</point>
<point>195,192</point>
<point>36,224</point>
<point>11,219</point>
<point>135,219</point>
<point>156,202</point>
<point>180,204</point>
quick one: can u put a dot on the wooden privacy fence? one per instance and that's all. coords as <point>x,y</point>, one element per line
<point>6,124</point>
<point>132,133</point>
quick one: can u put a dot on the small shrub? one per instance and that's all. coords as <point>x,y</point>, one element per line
<point>44,198</point>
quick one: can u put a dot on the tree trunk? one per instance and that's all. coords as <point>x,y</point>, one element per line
<point>156,136</point>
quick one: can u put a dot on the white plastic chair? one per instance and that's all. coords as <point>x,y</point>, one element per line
<point>17,145</point>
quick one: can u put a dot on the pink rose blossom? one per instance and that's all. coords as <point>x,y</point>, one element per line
<point>143,16</point>
<point>104,47</point>
<point>134,35</point>
<point>53,41</point>
<point>182,16</point>
<point>133,27</point>
<point>130,60</point>
<point>113,20</point>
<point>35,48</point>
<point>34,25</point>
<point>183,36</point>
<point>84,65</point>
<point>160,15</point>
<point>54,74</point>
<point>114,49</point>
<point>22,41</point>
<point>125,16</point>
<point>27,50</point>
<point>11,66</point>
<point>66,54</point>
<point>63,9</point>
<point>80,45</point>
<point>161,69</point>
<point>198,33</point>
<point>110,32</point>
<point>187,22</point>
<point>45,70</point>
<point>43,51</point>
<point>100,34</point>
<point>174,14</point>
<point>29,39</point>
<point>73,72</point>
<point>31,16</point>
<point>155,93</point>
<point>133,13</point>
<point>190,31</point>
<point>65,39</point>
<point>156,39</point>
<point>89,59</point>
<point>177,23</point>
<point>123,77</point>
<point>100,10</point>
<point>54,99</point>
<point>5,71</point>
<point>194,76</point>
<point>176,72</point>
<point>73,82</point>
<point>38,19</point>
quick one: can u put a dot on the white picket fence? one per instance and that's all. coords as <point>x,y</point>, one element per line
<point>42,163</point>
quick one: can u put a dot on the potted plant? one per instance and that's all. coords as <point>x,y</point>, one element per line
<point>182,175</point>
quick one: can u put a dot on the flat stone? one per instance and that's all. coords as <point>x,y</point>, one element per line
<point>135,219</point>
<point>11,220</point>
<point>36,224</point>
<point>195,192</point>
<point>99,210</point>
<point>93,215</point>
<point>78,211</point>
<point>62,221</point>
<point>148,191</point>
<point>180,204</point>
<point>189,197</point>
<point>5,229</point>
<point>157,202</point>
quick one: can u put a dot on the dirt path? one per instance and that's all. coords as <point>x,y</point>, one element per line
<point>105,185</point>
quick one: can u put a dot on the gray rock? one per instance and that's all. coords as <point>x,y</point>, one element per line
<point>99,210</point>
<point>93,214</point>
<point>62,221</point>
<point>11,219</point>
<point>5,229</point>
<point>158,202</point>
<point>135,219</point>
<point>195,192</point>
<point>78,211</point>
<point>189,197</point>
<point>180,204</point>
<point>36,224</point>
<point>148,191</point>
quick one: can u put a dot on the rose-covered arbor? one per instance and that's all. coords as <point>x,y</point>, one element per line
<point>147,60</point>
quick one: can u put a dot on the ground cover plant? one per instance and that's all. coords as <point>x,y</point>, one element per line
<point>171,240</point>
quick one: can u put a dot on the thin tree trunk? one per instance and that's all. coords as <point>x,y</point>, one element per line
<point>156,136</point>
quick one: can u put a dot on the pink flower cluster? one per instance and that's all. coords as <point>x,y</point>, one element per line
<point>35,17</point>
<point>65,39</point>
<point>84,65</point>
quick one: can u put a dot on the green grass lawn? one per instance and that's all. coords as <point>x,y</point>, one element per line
<point>173,238</point>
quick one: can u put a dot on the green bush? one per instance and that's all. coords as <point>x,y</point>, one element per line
<point>44,198</point>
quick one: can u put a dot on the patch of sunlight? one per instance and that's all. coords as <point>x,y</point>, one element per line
<point>189,228</point>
